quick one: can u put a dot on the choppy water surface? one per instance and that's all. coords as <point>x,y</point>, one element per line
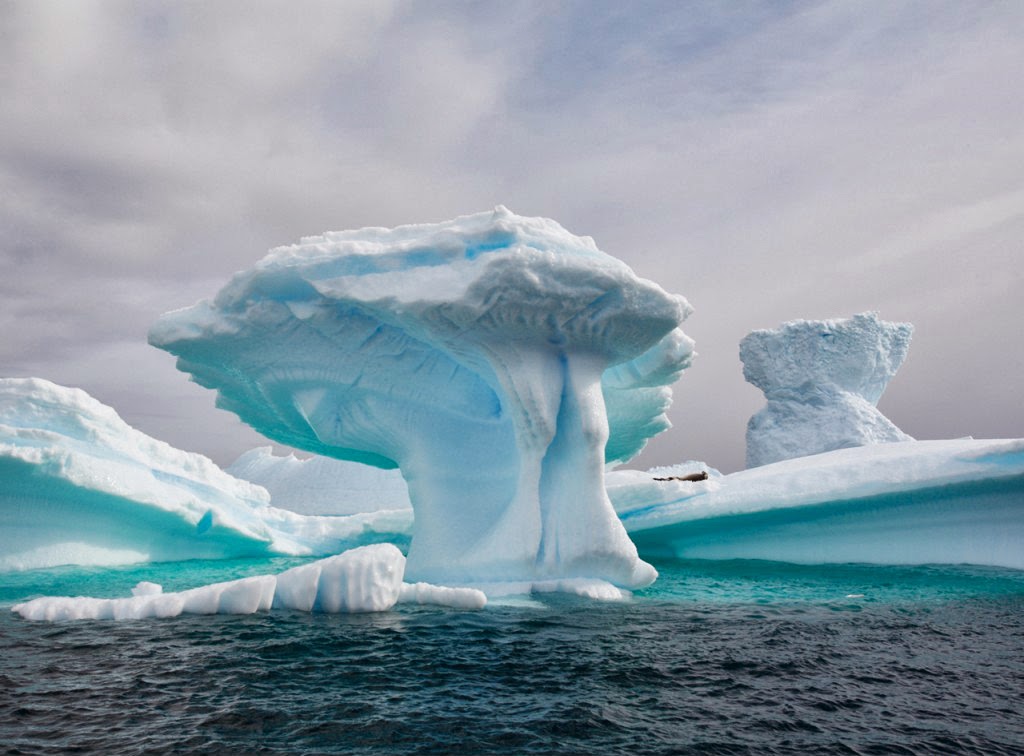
<point>717,657</point>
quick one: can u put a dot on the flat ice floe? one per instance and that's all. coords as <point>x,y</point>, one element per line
<point>911,502</point>
<point>321,485</point>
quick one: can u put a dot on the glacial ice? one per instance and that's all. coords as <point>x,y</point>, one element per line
<point>822,380</point>
<point>80,486</point>
<point>498,360</point>
<point>321,485</point>
<point>500,363</point>
<point>911,502</point>
<point>364,579</point>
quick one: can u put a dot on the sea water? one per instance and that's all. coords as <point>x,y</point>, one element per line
<point>735,657</point>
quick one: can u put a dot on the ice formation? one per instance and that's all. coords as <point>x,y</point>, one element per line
<point>822,380</point>
<point>366,579</point>
<point>78,485</point>
<point>499,361</point>
<point>321,485</point>
<point>912,502</point>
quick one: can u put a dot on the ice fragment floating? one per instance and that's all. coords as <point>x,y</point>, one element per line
<point>365,579</point>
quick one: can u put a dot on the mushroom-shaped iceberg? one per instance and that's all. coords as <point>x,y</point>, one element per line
<point>498,360</point>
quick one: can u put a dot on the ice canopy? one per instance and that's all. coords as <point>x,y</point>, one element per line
<point>822,380</point>
<point>499,361</point>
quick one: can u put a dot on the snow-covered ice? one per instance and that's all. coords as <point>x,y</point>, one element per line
<point>78,485</point>
<point>911,502</point>
<point>365,579</point>
<point>321,485</point>
<point>822,380</point>
<point>498,360</point>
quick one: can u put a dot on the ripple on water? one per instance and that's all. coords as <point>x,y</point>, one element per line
<point>931,661</point>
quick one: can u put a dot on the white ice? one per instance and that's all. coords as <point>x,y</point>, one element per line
<point>911,502</point>
<point>822,380</point>
<point>80,486</point>
<point>499,361</point>
<point>70,498</point>
<point>321,485</point>
<point>365,579</point>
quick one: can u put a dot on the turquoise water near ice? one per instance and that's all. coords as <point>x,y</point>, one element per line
<point>697,581</point>
<point>731,657</point>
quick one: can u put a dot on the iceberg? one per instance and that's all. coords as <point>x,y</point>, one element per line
<point>498,361</point>
<point>78,485</point>
<point>911,502</point>
<point>822,380</point>
<point>321,485</point>
<point>365,579</point>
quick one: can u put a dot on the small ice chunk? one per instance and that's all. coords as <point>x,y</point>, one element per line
<point>425,593</point>
<point>499,361</point>
<point>366,579</point>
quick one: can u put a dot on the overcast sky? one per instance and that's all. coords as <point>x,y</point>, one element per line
<point>768,160</point>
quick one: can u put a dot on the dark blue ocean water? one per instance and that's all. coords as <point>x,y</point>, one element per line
<point>715,658</point>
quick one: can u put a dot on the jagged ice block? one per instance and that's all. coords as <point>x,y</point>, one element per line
<point>822,380</point>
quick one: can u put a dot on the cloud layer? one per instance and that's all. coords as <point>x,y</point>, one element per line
<point>768,161</point>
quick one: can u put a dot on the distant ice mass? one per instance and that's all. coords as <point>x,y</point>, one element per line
<point>911,502</point>
<point>822,380</point>
<point>321,485</point>
<point>499,361</point>
<point>366,579</point>
<point>78,485</point>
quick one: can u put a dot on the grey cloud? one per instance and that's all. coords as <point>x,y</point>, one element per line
<point>809,161</point>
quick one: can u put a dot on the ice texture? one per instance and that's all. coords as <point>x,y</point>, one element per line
<point>78,485</point>
<point>321,485</point>
<point>822,380</point>
<point>911,502</point>
<point>364,579</point>
<point>498,360</point>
